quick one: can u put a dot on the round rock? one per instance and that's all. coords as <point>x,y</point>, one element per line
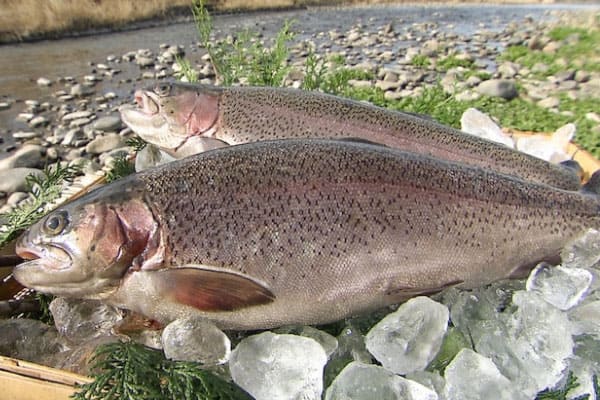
<point>109,123</point>
<point>103,144</point>
<point>15,179</point>
<point>498,88</point>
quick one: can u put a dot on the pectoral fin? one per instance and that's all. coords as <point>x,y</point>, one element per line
<point>210,290</point>
<point>402,293</point>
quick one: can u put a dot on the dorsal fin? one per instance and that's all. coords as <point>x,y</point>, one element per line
<point>593,185</point>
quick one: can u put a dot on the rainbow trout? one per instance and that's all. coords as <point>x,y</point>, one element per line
<point>296,232</point>
<point>186,119</point>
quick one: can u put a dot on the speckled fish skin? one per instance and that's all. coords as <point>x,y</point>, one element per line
<point>327,228</point>
<point>238,115</point>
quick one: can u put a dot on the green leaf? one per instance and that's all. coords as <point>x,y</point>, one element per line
<point>131,371</point>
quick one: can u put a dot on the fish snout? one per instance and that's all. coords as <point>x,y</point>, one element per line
<point>147,102</point>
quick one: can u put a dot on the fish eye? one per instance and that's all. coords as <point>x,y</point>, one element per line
<point>162,89</point>
<point>56,223</point>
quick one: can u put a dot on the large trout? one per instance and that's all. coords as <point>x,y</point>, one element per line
<point>296,232</point>
<point>185,119</point>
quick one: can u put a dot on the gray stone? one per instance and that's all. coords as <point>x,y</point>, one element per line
<point>38,121</point>
<point>44,82</point>
<point>15,179</point>
<point>5,105</point>
<point>77,115</point>
<point>109,123</point>
<point>508,69</point>
<point>15,198</point>
<point>79,90</point>
<point>25,117</point>
<point>27,156</point>
<point>498,88</point>
<point>549,102</point>
<point>26,135</point>
<point>387,85</point>
<point>72,136</point>
<point>103,144</point>
<point>551,47</point>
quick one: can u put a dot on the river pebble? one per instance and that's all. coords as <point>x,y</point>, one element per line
<point>498,88</point>
<point>104,144</point>
<point>26,156</point>
<point>15,179</point>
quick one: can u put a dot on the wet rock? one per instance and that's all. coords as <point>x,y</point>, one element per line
<point>44,82</point>
<point>109,123</point>
<point>79,90</point>
<point>38,121</point>
<point>193,339</point>
<point>76,115</point>
<point>103,144</point>
<point>498,88</point>
<point>15,179</point>
<point>26,135</point>
<point>29,156</point>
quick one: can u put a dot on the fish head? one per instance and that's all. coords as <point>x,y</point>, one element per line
<point>84,248</point>
<point>169,113</point>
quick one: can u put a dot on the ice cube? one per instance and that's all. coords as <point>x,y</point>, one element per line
<point>360,381</point>
<point>351,347</point>
<point>562,287</point>
<point>327,341</point>
<point>409,338</point>
<point>583,370</point>
<point>531,345</point>
<point>195,339</point>
<point>479,124</point>
<point>586,319</point>
<point>583,252</point>
<point>473,376</point>
<point>28,339</point>
<point>432,380</point>
<point>80,320</point>
<point>272,367</point>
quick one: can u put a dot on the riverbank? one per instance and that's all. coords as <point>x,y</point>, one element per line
<point>27,20</point>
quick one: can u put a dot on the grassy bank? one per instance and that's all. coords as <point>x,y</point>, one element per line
<point>27,19</point>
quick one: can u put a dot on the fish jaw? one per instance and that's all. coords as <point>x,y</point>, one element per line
<point>150,124</point>
<point>169,115</point>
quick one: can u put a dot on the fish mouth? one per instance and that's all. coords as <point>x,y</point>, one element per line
<point>49,256</point>
<point>147,102</point>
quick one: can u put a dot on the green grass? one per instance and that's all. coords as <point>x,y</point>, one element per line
<point>452,61</point>
<point>420,61</point>
<point>580,53</point>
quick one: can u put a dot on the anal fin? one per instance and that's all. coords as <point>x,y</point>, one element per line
<point>209,290</point>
